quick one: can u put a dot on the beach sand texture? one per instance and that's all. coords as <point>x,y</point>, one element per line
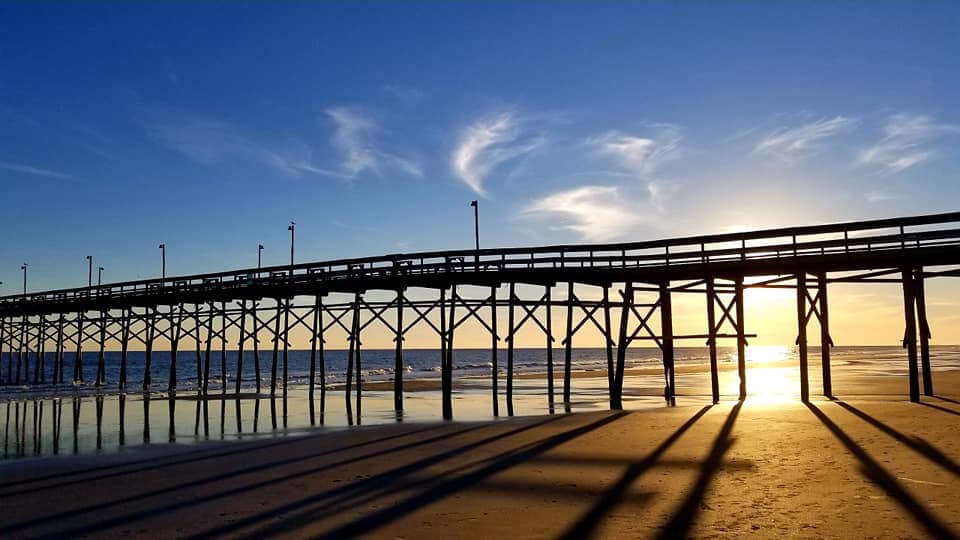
<point>863,467</point>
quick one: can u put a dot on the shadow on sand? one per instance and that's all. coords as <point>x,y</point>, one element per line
<point>883,479</point>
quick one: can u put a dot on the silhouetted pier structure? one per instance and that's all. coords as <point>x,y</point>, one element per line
<point>637,280</point>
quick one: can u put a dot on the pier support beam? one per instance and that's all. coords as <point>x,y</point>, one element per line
<point>510,336</point>
<point>741,337</point>
<point>666,331</point>
<point>446,366</point>
<point>925,336</point>
<point>494,360</point>
<point>802,335</point>
<point>398,357</point>
<point>910,332</point>
<point>712,339</point>
<point>826,342</point>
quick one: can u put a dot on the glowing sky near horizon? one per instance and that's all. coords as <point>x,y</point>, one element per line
<point>210,126</point>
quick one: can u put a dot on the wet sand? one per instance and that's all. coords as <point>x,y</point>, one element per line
<point>853,467</point>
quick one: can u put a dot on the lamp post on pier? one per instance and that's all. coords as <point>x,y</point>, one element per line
<point>259,255</point>
<point>163,261</point>
<point>292,228</point>
<point>89,271</point>
<point>24,268</point>
<point>99,276</point>
<point>476,231</point>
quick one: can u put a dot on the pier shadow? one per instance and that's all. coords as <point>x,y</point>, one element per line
<point>613,496</point>
<point>683,519</point>
<point>916,444</point>
<point>950,400</point>
<point>938,407</point>
<point>884,480</point>
<point>89,527</point>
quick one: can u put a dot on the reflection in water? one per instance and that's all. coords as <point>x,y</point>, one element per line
<point>33,427</point>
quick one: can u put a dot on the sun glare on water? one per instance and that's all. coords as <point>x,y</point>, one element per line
<point>769,377</point>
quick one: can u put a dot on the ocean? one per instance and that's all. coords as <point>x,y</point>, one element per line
<point>102,419</point>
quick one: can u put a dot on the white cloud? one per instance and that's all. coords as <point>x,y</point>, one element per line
<point>487,143</point>
<point>907,141</point>
<point>595,213</point>
<point>640,155</point>
<point>791,143</point>
<point>878,197</point>
<point>354,140</point>
<point>405,94</point>
<point>34,171</point>
<point>211,142</point>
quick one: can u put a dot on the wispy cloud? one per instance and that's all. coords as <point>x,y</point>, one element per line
<point>878,197</point>
<point>641,155</point>
<point>405,94</point>
<point>487,143</point>
<point>595,213</point>
<point>792,143</point>
<point>34,171</point>
<point>908,141</point>
<point>354,140</point>
<point>211,142</point>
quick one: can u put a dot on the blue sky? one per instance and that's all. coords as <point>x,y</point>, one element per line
<point>209,126</point>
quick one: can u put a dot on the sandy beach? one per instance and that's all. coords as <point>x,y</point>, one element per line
<point>852,467</point>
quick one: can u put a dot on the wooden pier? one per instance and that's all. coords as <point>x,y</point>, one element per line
<point>42,331</point>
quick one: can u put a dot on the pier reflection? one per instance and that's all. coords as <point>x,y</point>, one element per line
<point>32,427</point>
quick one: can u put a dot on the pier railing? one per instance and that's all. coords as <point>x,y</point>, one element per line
<point>852,239</point>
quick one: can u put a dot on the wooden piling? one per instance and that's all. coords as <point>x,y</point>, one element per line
<point>398,356</point>
<point>77,360</point>
<point>608,338</point>
<point>240,342</point>
<point>510,336</point>
<point>826,342</point>
<point>802,335</point>
<point>616,397</point>
<point>924,328</point>
<point>568,344</point>
<point>124,346</point>
<point>101,377</point>
<point>39,374</point>
<point>357,343</point>
<point>352,338</point>
<point>206,356</point>
<point>494,360</point>
<point>276,345</point>
<point>223,349</point>
<point>446,369</point>
<point>666,331</point>
<point>176,325</point>
<point>256,343</point>
<point>549,333</point>
<point>323,362</point>
<point>741,337</point>
<point>910,332</point>
<point>286,354</point>
<point>151,334</point>
<point>712,339</point>
<point>313,346</point>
